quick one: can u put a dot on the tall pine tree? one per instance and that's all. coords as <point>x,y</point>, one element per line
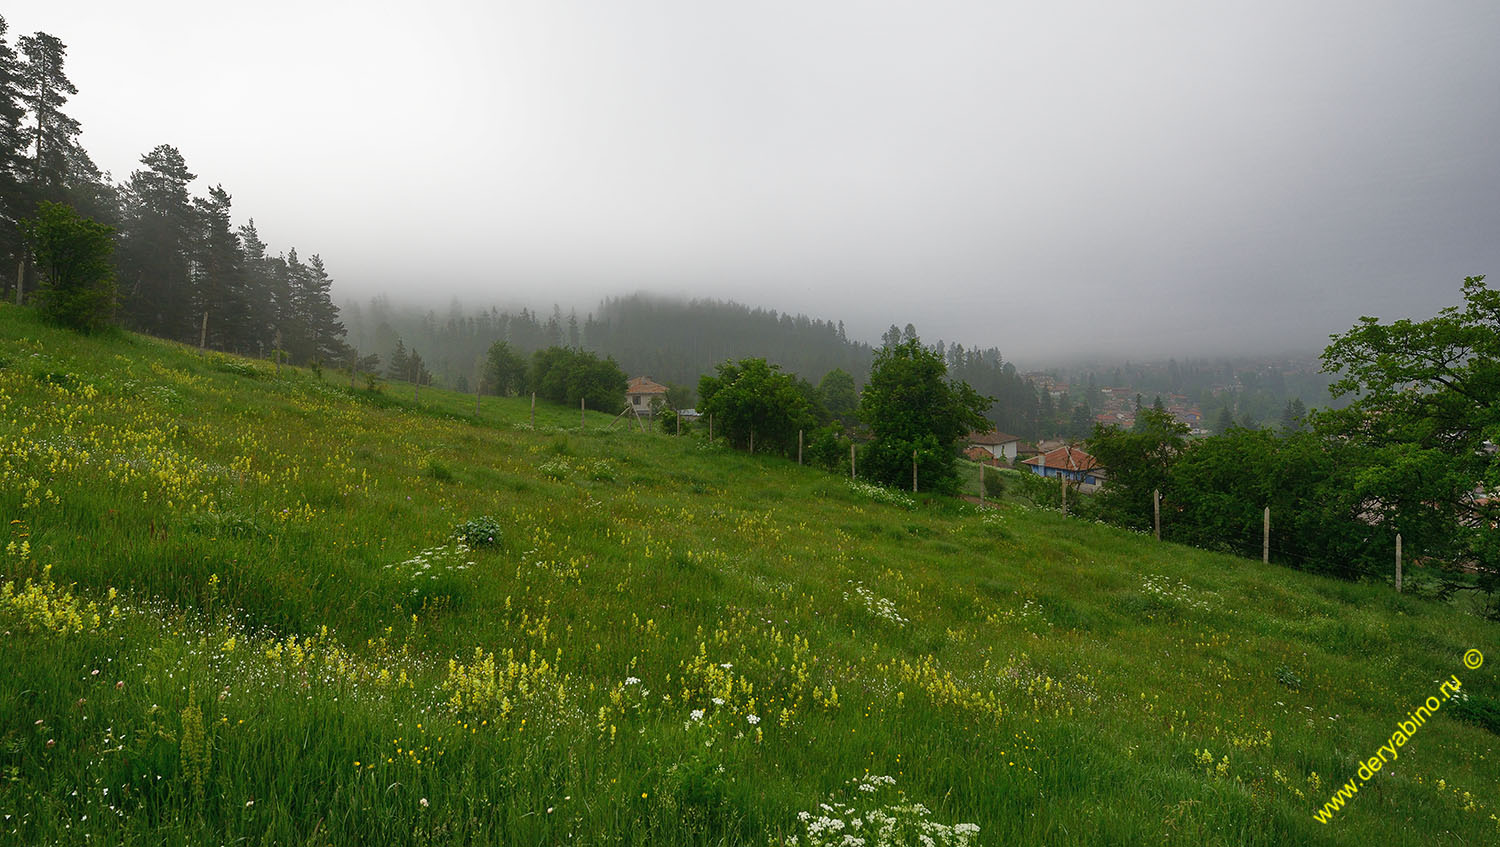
<point>320,316</point>
<point>156,278</point>
<point>220,293</point>
<point>13,205</point>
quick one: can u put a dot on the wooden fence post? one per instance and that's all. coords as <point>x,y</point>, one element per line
<point>1398,563</point>
<point>581,410</point>
<point>752,441</point>
<point>914,472</point>
<point>1156,511</point>
<point>799,447</point>
<point>278,351</point>
<point>1265,539</point>
<point>354,369</point>
<point>203,333</point>
<point>981,484</point>
<point>679,423</point>
<point>1063,481</point>
<point>533,410</point>
<point>851,460</point>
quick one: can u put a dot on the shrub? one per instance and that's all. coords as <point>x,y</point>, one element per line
<point>483,531</point>
<point>828,449</point>
<point>994,483</point>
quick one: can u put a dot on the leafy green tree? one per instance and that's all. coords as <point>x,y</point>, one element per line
<point>837,393</point>
<point>1427,407</point>
<point>828,448</point>
<point>1217,490</point>
<point>751,396</point>
<point>564,375</point>
<point>1137,463</point>
<point>504,370</point>
<point>910,405</point>
<point>74,255</point>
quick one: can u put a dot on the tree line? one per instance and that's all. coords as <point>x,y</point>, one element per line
<point>175,266</point>
<point>675,342</point>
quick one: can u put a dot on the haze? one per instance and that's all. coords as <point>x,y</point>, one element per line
<point>1054,179</point>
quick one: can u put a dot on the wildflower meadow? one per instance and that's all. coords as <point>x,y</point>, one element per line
<point>243,606</point>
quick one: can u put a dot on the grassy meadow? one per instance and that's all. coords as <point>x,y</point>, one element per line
<point>235,610</point>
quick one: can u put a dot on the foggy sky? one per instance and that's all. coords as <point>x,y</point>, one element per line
<point>1142,179</point>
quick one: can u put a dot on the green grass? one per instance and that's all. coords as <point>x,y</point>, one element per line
<point>290,648</point>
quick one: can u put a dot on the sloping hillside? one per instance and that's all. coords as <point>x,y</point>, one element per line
<point>234,608</point>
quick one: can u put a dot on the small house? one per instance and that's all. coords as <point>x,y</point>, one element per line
<point>1069,463</point>
<point>641,393</point>
<point>995,443</point>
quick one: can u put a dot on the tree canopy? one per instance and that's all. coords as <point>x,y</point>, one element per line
<point>910,405</point>
<point>73,253</point>
<point>565,375</point>
<point>1427,407</point>
<point>752,396</point>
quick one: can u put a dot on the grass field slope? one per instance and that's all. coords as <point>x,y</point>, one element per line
<point>242,607</point>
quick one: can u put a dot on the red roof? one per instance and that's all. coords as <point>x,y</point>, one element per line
<point>1066,458</point>
<point>644,385</point>
<point>994,436</point>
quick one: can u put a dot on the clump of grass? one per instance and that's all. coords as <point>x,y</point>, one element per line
<point>1477,709</point>
<point>235,524</point>
<point>438,471</point>
<point>238,367</point>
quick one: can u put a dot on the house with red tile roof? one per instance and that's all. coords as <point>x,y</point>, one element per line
<point>1070,463</point>
<point>642,395</point>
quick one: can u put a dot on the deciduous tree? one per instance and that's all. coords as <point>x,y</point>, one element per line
<point>73,254</point>
<point>910,405</point>
<point>1427,405</point>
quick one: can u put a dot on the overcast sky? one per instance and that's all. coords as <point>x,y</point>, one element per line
<point>1142,178</point>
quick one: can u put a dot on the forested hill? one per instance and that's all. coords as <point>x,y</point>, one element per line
<point>673,341</point>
